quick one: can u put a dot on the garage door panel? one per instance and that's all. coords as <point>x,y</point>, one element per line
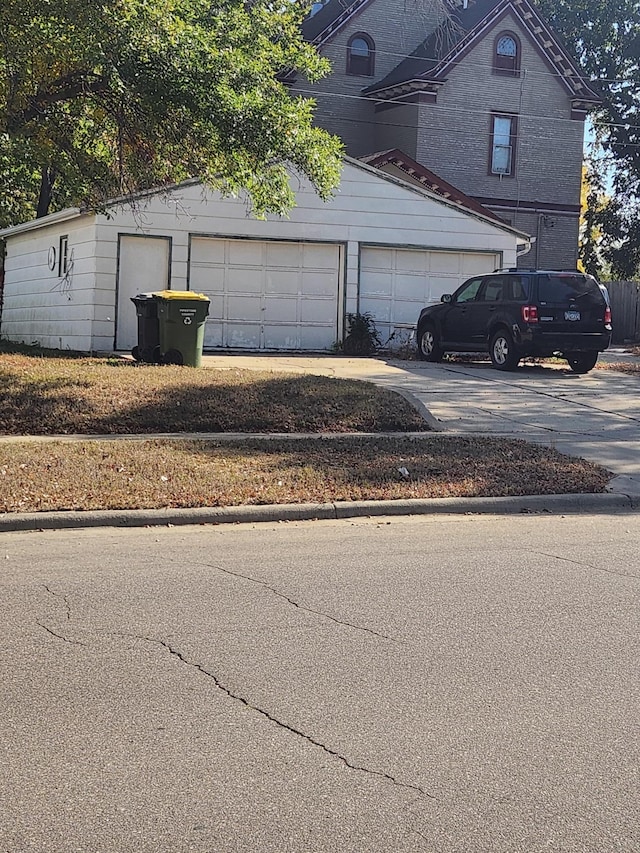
<point>375,283</point>
<point>282,255</point>
<point>246,253</point>
<point>213,331</point>
<point>216,305</point>
<point>377,258</point>
<point>243,308</point>
<point>318,284</point>
<point>280,310</point>
<point>207,278</point>
<point>410,286</point>
<point>282,337</point>
<point>408,260</point>
<point>474,264</point>
<point>318,256</point>
<point>318,311</point>
<point>444,262</point>
<point>208,251</point>
<point>242,335</point>
<point>379,308</point>
<point>280,281</point>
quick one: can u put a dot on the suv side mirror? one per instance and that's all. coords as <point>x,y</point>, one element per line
<point>446,297</point>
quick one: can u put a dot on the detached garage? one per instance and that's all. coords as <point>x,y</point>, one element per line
<point>381,245</point>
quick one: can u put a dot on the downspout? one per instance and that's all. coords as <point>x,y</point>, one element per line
<point>538,233</point>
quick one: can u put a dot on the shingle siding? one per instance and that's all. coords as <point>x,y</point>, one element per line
<point>341,108</point>
<point>454,135</point>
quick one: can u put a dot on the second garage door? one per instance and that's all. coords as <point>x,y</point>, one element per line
<point>395,284</point>
<point>268,295</point>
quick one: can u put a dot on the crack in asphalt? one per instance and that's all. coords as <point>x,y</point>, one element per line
<point>588,565</point>
<point>64,599</point>
<point>303,607</point>
<point>268,716</point>
<point>60,636</point>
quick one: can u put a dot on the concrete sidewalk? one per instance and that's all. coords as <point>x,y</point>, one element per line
<point>595,416</point>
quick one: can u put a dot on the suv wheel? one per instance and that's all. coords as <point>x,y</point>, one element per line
<point>428,344</point>
<point>582,362</point>
<point>503,351</point>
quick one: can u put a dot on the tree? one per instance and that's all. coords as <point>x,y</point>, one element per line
<point>605,37</point>
<point>106,98</point>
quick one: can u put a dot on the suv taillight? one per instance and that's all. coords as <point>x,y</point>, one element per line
<point>530,313</point>
<point>607,316</point>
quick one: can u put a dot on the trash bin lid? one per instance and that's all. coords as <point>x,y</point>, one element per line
<point>180,294</point>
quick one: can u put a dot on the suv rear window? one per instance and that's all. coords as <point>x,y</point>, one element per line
<point>565,287</point>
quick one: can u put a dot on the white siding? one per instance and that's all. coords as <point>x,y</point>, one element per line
<point>41,306</point>
<point>367,209</point>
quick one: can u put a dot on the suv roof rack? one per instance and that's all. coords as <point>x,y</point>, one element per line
<point>515,269</point>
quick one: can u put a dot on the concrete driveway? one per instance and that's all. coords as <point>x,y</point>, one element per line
<point>596,416</point>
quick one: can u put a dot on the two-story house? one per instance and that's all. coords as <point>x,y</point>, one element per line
<point>481,95</point>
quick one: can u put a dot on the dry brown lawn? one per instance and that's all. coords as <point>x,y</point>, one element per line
<point>45,395</point>
<point>128,474</point>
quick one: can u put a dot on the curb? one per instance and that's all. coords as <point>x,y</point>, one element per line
<point>572,503</point>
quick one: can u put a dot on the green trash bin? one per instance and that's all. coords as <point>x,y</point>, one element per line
<point>181,318</point>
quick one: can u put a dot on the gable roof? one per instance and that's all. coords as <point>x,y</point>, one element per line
<point>428,179</point>
<point>329,20</point>
<point>441,195</point>
<point>426,68</point>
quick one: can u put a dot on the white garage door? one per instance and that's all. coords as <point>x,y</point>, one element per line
<point>396,284</point>
<point>267,294</point>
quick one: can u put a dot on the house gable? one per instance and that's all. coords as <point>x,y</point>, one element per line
<point>427,67</point>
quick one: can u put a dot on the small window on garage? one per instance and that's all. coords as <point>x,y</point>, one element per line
<point>63,255</point>
<point>361,55</point>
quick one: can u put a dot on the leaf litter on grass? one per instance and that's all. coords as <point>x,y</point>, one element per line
<point>47,396</point>
<point>88,475</point>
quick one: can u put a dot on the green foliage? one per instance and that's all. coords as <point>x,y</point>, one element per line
<point>123,95</point>
<point>606,39</point>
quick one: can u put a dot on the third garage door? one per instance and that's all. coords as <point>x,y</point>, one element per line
<point>270,295</point>
<point>395,284</point>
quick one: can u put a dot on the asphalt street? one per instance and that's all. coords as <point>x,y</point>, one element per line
<point>444,683</point>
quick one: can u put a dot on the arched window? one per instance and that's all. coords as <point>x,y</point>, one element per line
<point>361,53</point>
<point>506,57</point>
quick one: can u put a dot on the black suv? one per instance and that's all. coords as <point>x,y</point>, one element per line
<point>515,313</point>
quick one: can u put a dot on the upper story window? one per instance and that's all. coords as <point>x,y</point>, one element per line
<point>503,145</point>
<point>506,57</point>
<point>361,53</point>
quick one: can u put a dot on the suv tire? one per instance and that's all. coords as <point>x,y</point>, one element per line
<point>503,351</point>
<point>582,362</point>
<point>428,344</point>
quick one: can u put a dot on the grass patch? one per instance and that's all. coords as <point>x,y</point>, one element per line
<point>98,474</point>
<point>102,396</point>
<point>620,367</point>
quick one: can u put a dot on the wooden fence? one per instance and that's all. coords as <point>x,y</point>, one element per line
<point>625,310</point>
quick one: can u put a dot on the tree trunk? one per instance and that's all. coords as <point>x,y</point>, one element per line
<point>46,189</point>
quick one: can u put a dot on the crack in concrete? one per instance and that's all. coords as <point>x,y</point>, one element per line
<point>64,599</point>
<point>588,565</point>
<point>556,397</point>
<point>60,636</point>
<point>299,606</point>
<point>387,777</point>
